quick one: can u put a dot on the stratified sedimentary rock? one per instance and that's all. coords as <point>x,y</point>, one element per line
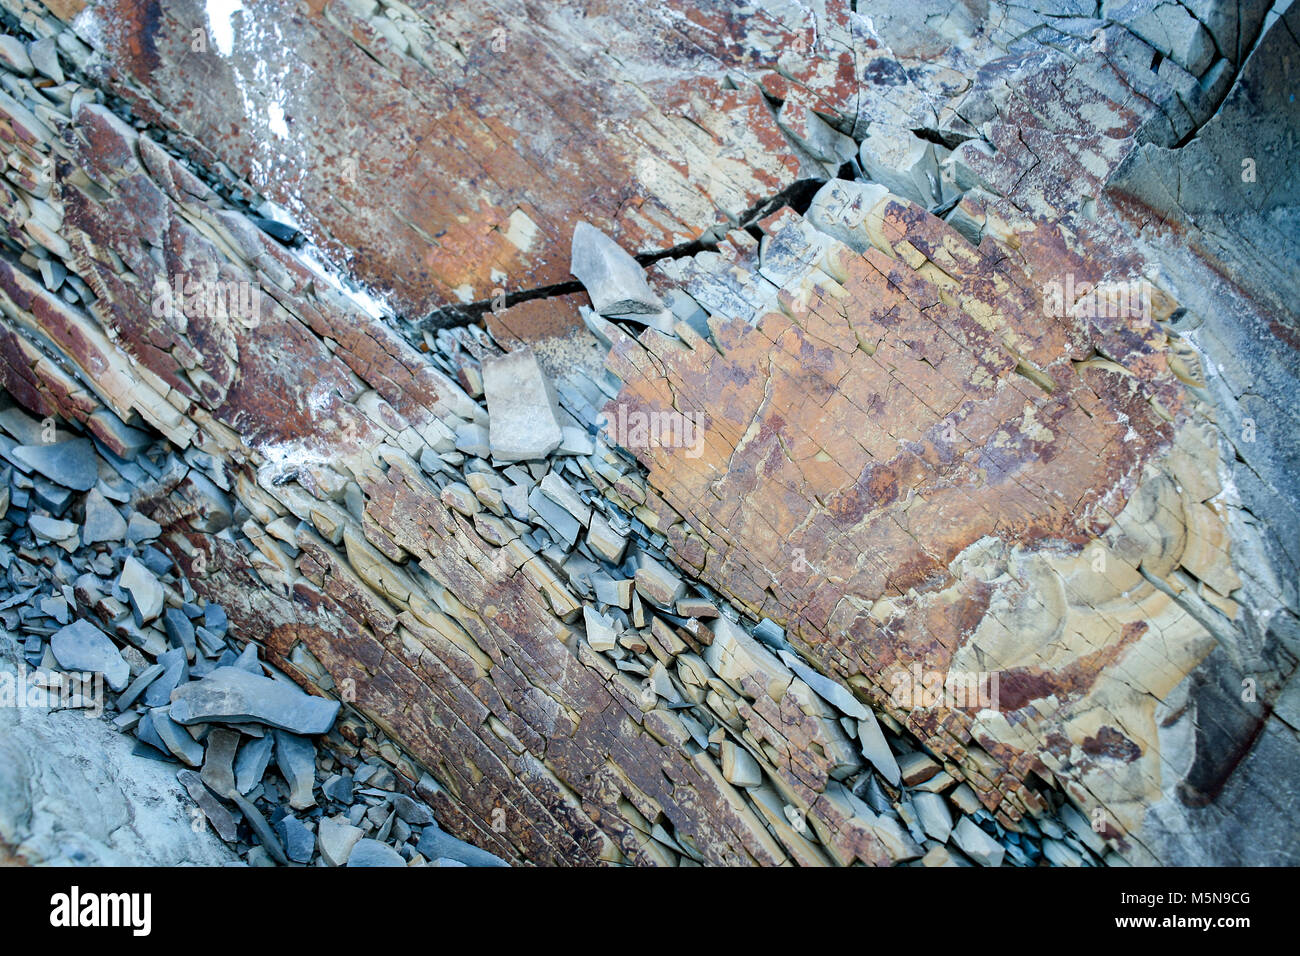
<point>914,383</point>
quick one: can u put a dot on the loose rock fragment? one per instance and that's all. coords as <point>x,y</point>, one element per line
<point>71,463</point>
<point>523,414</point>
<point>235,696</point>
<point>80,646</point>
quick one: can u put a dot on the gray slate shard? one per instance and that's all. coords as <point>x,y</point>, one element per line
<point>409,811</point>
<point>45,57</point>
<point>71,463</point>
<point>175,672</point>
<point>613,279</point>
<point>155,561</point>
<point>103,521</point>
<point>296,758</point>
<point>222,820</point>
<point>180,631</point>
<point>176,738</point>
<point>146,592</point>
<point>434,844</point>
<point>80,646</point>
<point>219,760</point>
<point>51,529</point>
<point>147,677</point>
<point>247,660</point>
<point>337,840</point>
<point>53,498</point>
<point>299,841</point>
<point>252,761</point>
<point>214,619</point>
<point>977,844</point>
<point>373,853</point>
<point>145,733</point>
<point>338,788</point>
<point>557,519</point>
<point>140,528</point>
<point>826,688</point>
<point>231,695</point>
<point>523,411</point>
<point>265,835</point>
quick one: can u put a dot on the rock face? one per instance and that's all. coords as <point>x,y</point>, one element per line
<point>915,521</point>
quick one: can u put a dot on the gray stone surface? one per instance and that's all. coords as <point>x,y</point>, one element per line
<point>71,463</point>
<point>145,589</point>
<point>251,762</point>
<point>296,758</point>
<point>55,766</point>
<point>103,521</point>
<point>80,646</point>
<point>235,696</point>
<point>369,852</point>
<point>435,843</point>
<point>523,411</point>
<point>614,280</point>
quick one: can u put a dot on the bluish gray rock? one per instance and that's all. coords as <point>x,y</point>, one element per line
<point>80,646</point>
<point>231,695</point>
<point>299,841</point>
<point>296,758</point>
<point>175,672</point>
<point>72,463</point>
<point>435,844</point>
<point>373,853</point>
<point>251,762</point>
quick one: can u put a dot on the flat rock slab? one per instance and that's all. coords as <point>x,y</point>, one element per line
<point>103,521</point>
<point>613,279</point>
<point>296,758</point>
<point>73,464</point>
<point>234,696</point>
<point>80,646</point>
<point>522,408</point>
<point>373,853</point>
<point>145,589</point>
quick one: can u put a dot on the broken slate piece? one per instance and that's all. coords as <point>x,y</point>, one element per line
<point>373,853</point>
<point>80,646</point>
<point>337,838</point>
<point>409,811</point>
<point>103,522</point>
<point>140,528</point>
<point>296,758</point>
<point>214,619</point>
<point>299,841</point>
<point>656,583</point>
<point>251,762</point>
<point>231,695</point>
<point>977,844</point>
<point>934,815</point>
<point>176,738</point>
<point>51,529</point>
<point>523,411</point>
<point>222,820</point>
<point>876,749</point>
<point>175,672</point>
<point>434,844</point>
<point>180,631</point>
<point>614,281</point>
<point>72,464</point>
<point>145,590</point>
<point>338,788</point>
<point>260,827</point>
<point>219,760</point>
<point>147,677</point>
<point>558,519</point>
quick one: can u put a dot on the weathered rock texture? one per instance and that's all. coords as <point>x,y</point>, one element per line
<point>914,451</point>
